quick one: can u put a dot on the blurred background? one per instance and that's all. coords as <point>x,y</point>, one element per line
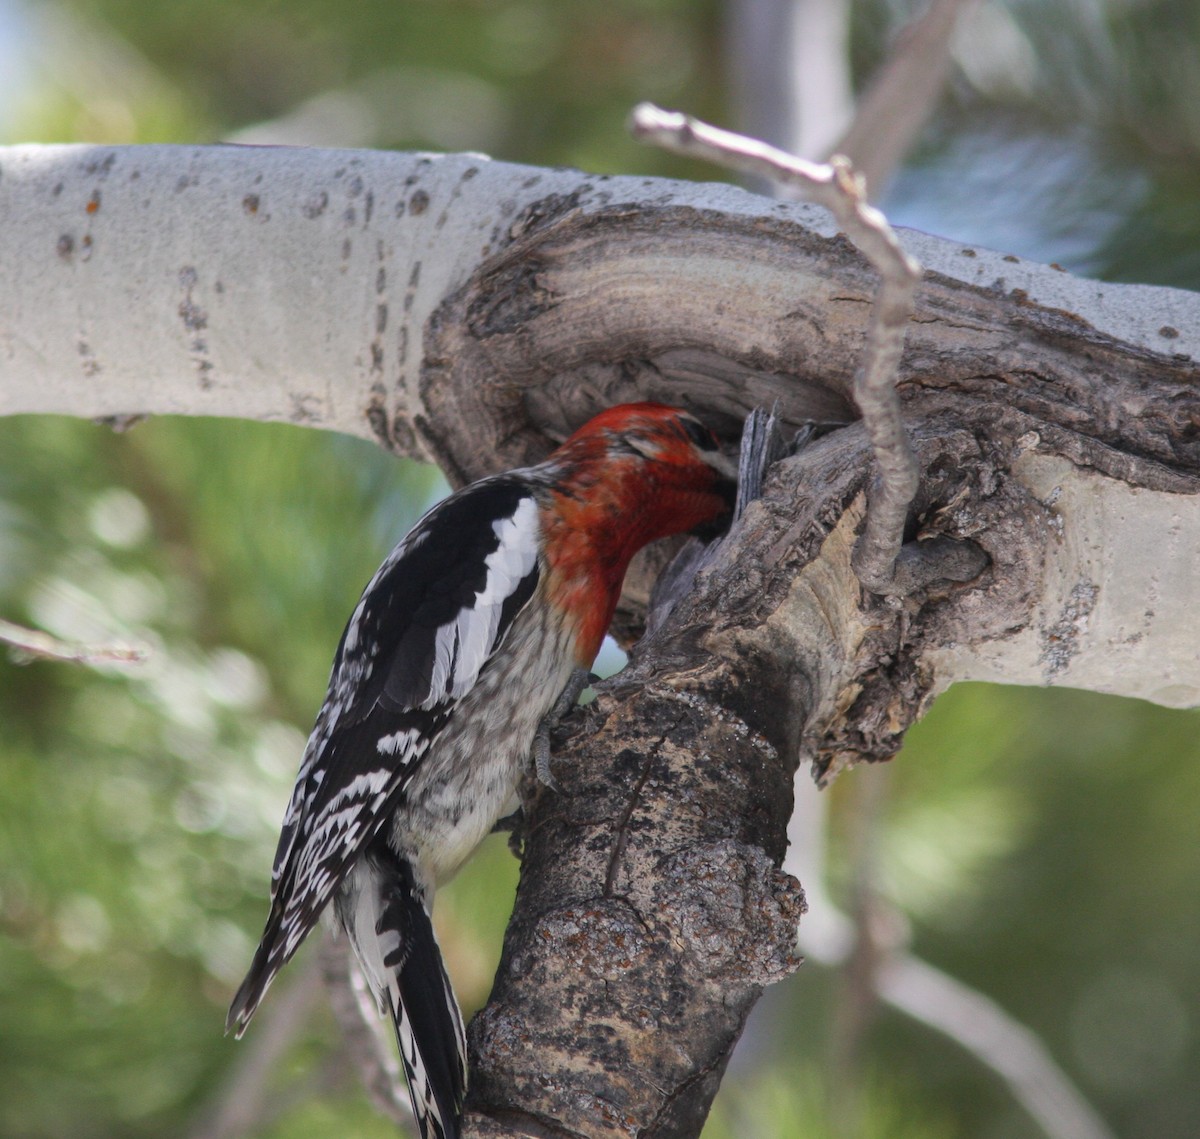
<point>1037,851</point>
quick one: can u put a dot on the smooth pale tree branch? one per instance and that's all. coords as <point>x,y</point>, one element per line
<point>475,312</point>
<point>1008,1047</point>
<point>790,73</point>
<point>856,1004</point>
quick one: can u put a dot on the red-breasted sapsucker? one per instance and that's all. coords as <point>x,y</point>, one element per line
<point>484,617</point>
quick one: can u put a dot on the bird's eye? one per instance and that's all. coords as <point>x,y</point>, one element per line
<point>698,433</point>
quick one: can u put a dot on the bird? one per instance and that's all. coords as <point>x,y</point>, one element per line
<point>477,631</point>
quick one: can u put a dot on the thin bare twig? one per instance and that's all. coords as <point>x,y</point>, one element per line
<point>973,1021</point>
<point>30,644</point>
<point>1000,1041</point>
<point>856,1007</point>
<point>372,1051</point>
<point>245,1103</point>
<point>837,187</point>
<point>901,95</point>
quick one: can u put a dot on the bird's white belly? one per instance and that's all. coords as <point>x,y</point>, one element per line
<point>469,778</point>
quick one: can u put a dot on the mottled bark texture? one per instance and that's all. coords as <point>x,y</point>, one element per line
<point>658,884</point>
<point>588,308</point>
<point>651,911</point>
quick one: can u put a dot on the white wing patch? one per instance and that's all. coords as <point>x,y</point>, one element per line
<point>405,741</point>
<point>364,786</point>
<point>463,645</point>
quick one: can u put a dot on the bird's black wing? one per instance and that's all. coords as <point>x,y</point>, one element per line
<point>423,630</point>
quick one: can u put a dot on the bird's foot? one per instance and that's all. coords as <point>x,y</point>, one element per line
<point>576,683</point>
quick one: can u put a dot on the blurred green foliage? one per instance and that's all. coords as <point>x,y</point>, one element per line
<point>1041,846</point>
<point>142,804</point>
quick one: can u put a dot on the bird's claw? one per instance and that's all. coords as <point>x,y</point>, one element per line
<point>541,755</point>
<point>576,683</point>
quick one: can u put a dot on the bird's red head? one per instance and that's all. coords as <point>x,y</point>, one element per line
<point>630,475</point>
<point>658,466</point>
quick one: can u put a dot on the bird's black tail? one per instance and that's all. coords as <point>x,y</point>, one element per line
<point>268,960</point>
<point>384,913</point>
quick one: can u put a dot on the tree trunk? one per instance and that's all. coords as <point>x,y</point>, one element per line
<point>473,313</point>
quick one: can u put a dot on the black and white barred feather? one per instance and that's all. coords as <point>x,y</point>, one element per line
<point>390,798</point>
